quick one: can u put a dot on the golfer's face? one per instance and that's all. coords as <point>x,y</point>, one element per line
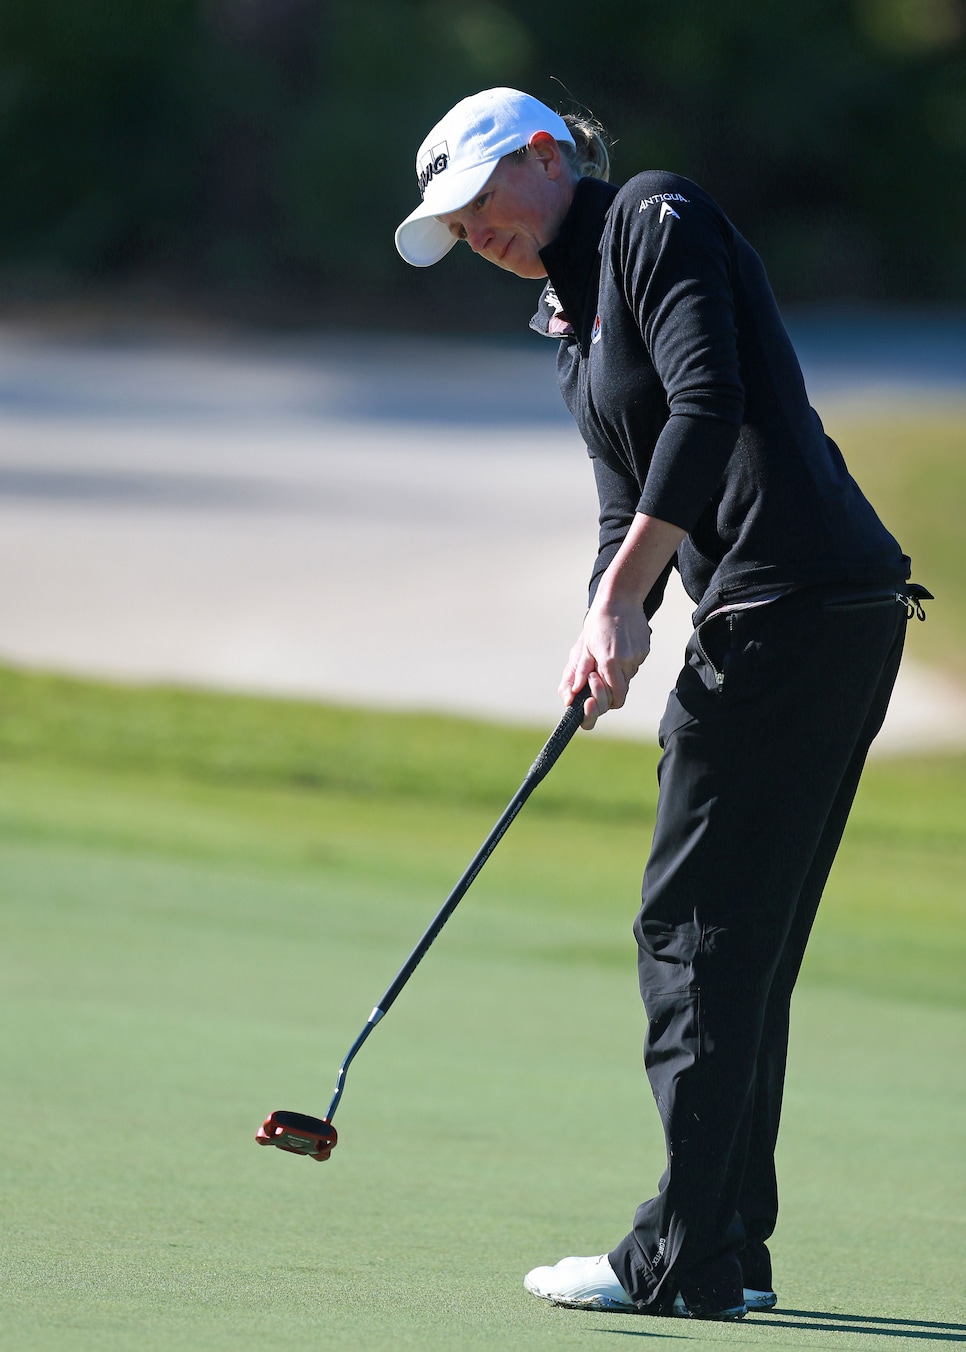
<point>519,211</point>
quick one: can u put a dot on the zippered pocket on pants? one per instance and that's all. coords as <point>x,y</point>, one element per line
<point>912,600</point>
<point>717,672</point>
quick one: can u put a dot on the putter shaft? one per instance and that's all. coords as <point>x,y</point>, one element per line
<point>547,758</point>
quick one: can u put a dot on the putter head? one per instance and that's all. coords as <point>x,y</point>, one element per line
<point>298,1134</point>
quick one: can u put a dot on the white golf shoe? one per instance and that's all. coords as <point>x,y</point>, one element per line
<point>760,1300</point>
<point>680,1311</point>
<point>580,1284</point>
<point>591,1284</point>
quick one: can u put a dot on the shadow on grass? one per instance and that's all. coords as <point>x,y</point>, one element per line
<point>820,1321</point>
<point>640,1333</point>
<point>869,1323</point>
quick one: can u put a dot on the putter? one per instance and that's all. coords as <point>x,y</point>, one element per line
<point>316,1137</point>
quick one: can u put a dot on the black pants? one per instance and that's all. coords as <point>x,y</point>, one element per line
<point>764,740</point>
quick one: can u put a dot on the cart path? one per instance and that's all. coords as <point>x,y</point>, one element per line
<point>402,523</point>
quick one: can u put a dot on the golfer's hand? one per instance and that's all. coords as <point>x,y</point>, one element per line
<point>612,645</point>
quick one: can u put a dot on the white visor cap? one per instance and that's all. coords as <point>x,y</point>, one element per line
<point>458,156</point>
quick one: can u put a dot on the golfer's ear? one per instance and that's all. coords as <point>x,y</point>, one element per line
<point>544,148</point>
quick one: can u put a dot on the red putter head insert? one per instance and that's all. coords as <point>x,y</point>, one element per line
<point>298,1134</point>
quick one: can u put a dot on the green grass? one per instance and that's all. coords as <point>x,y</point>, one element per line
<point>912,466</point>
<point>202,897</point>
<point>257,743</point>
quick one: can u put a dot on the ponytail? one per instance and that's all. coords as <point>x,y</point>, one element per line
<point>589,156</point>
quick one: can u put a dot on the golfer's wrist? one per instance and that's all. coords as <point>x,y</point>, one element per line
<point>640,561</point>
<point>623,587</point>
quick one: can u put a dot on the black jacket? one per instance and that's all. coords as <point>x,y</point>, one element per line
<point>686,389</point>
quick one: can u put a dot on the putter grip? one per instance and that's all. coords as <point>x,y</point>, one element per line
<point>560,736</point>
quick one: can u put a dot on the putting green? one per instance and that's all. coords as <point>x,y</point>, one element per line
<point>179,957</point>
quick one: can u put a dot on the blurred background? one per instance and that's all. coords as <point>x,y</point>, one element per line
<point>254,156</point>
<point>235,426</point>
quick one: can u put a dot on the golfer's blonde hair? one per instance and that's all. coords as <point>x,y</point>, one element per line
<point>589,157</point>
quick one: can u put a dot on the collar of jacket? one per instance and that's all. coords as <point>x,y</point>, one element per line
<point>572,259</point>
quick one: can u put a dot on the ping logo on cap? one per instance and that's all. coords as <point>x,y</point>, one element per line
<point>433,162</point>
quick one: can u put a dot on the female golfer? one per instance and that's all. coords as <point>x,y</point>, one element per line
<point>676,367</point>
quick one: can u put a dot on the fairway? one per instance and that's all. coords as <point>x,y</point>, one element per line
<point>194,928</point>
